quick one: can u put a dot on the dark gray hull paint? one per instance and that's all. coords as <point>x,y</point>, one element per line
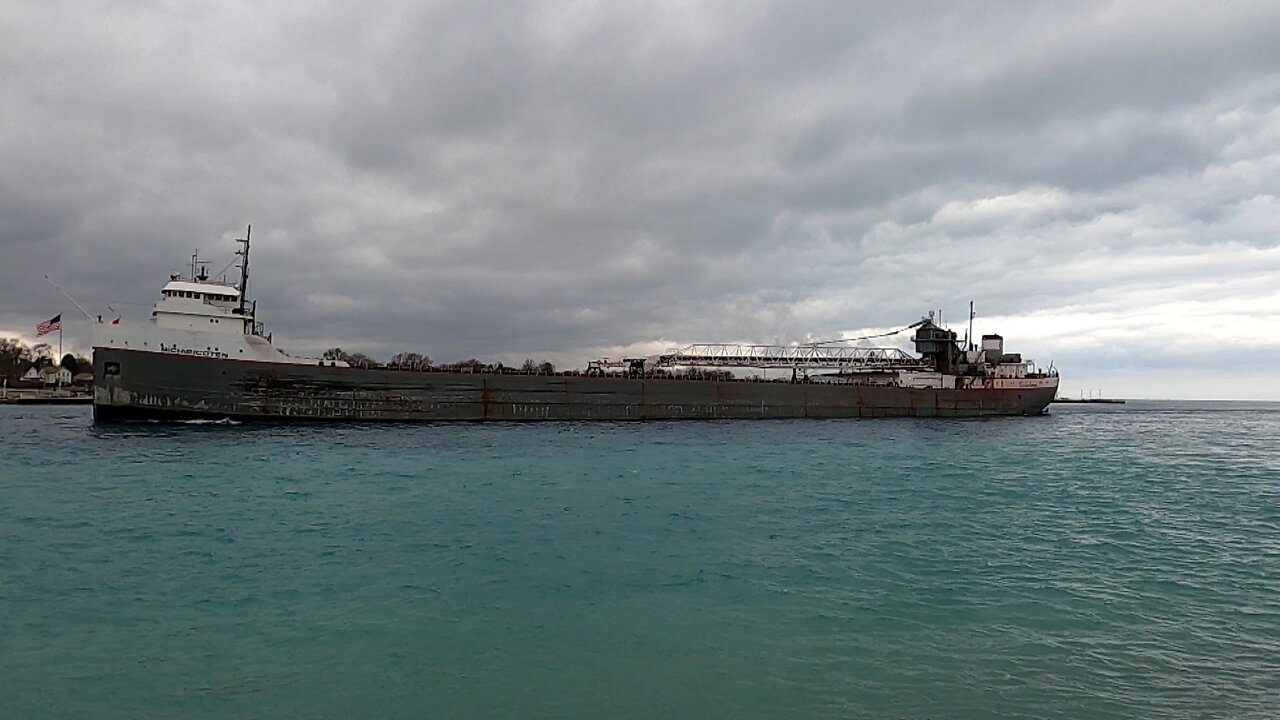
<point>150,385</point>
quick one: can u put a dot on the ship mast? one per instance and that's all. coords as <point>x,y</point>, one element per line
<point>244,273</point>
<point>968,336</point>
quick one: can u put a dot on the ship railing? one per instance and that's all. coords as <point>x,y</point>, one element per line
<point>1034,371</point>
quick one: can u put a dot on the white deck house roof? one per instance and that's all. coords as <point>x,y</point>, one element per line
<point>203,288</point>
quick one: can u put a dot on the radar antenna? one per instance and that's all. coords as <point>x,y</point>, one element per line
<point>199,271</point>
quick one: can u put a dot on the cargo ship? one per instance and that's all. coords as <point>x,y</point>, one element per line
<point>204,355</point>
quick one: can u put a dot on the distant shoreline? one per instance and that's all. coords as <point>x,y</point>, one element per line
<point>44,397</point>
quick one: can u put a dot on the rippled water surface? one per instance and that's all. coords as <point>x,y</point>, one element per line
<point>1101,562</point>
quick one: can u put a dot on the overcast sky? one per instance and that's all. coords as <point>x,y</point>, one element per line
<point>566,180</point>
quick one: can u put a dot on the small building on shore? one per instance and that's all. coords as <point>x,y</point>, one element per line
<point>56,376</point>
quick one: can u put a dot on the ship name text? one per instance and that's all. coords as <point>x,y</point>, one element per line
<point>190,351</point>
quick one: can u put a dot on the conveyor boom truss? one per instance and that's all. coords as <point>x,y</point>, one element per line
<point>789,356</point>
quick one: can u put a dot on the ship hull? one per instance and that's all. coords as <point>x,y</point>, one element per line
<point>140,385</point>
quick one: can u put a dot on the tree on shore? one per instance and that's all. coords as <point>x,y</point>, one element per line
<point>472,365</point>
<point>14,354</point>
<point>532,366</point>
<point>43,355</point>
<point>352,359</point>
<point>410,360</point>
<point>336,354</point>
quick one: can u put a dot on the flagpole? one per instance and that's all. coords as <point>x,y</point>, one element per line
<point>59,365</point>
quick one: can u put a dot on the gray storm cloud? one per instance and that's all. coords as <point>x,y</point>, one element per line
<point>565,180</point>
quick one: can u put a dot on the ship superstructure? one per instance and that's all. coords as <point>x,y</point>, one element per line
<point>197,316</point>
<point>203,354</point>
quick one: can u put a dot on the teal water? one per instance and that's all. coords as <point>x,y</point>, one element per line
<point>1100,562</point>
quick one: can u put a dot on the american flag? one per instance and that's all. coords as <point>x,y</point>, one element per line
<point>48,326</point>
